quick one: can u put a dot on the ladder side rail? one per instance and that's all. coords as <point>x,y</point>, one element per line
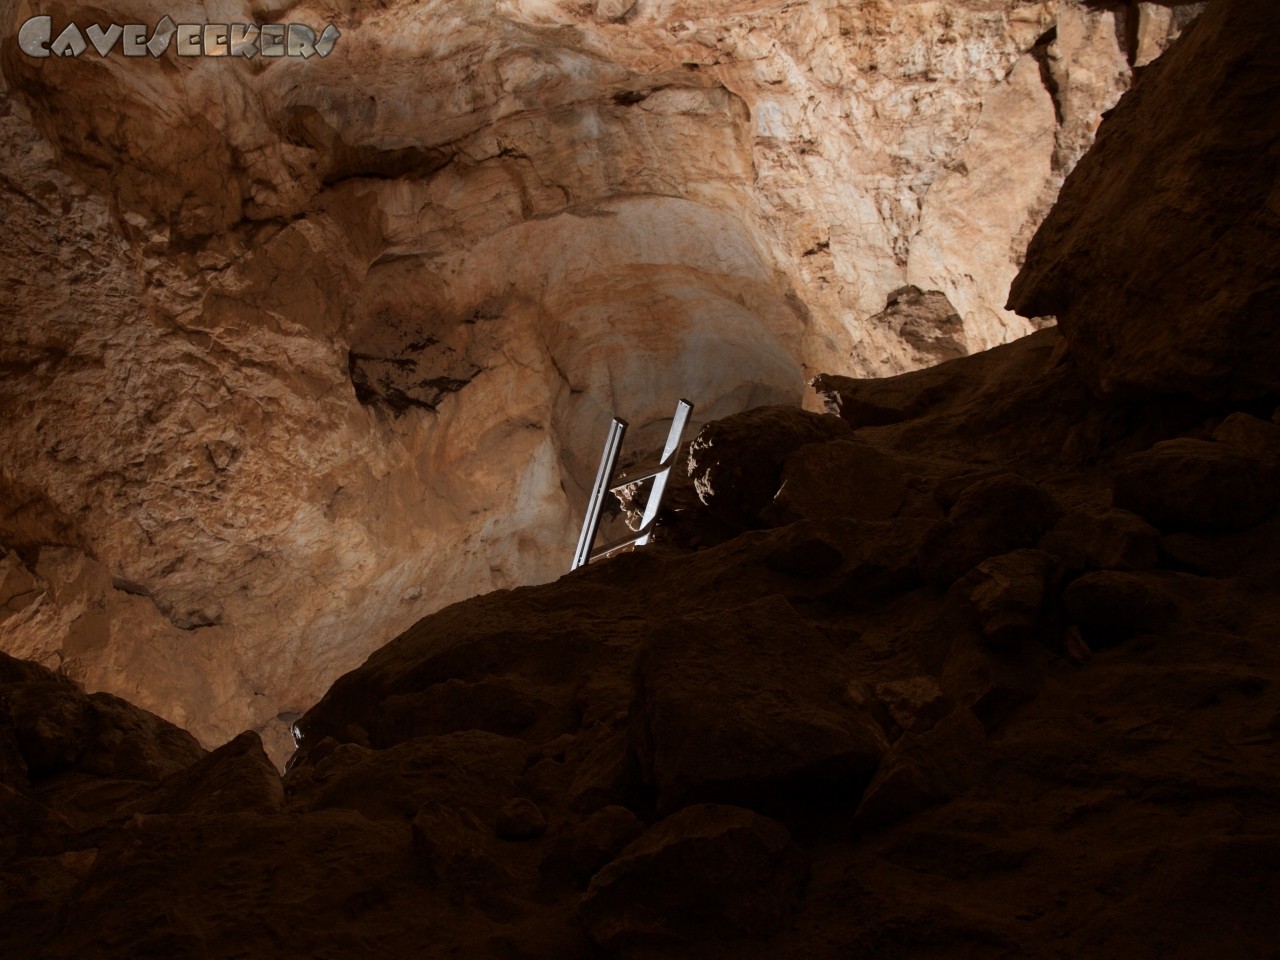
<point>668,453</point>
<point>608,464</point>
<point>674,438</point>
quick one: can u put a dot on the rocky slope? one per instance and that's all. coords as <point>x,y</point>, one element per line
<point>298,351</point>
<point>997,680</point>
<point>980,663</point>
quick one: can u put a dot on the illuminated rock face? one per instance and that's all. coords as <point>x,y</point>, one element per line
<point>298,351</point>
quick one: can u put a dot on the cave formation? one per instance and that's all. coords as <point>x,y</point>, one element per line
<point>957,634</point>
<point>301,350</point>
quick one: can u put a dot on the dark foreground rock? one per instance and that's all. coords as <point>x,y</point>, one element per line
<point>969,729</point>
<point>736,463</point>
<point>1014,719</point>
<point>753,707</point>
<point>1189,483</point>
<point>709,871</point>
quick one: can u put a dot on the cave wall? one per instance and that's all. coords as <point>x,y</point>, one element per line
<point>298,351</point>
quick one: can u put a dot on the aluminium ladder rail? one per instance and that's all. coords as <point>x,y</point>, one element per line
<point>604,484</point>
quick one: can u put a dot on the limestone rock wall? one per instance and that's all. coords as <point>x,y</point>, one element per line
<point>298,351</point>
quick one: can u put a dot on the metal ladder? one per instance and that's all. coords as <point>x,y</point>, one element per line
<point>604,484</point>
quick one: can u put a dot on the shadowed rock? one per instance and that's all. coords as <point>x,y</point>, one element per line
<point>1198,484</point>
<point>56,727</point>
<point>709,870</point>
<point>841,478</point>
<point>1103,539</point>
<point>1037,800</point>
<point>238,776</point>
<point>1176,195</point>
<point>781,730</point>
<point>736,463</point>
<point>1111,606</point>
<point>1008,594</point>
<point>994,515</point>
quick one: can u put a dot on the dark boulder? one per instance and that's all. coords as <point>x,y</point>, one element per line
<point>736,463</point>
<point>706,872</point>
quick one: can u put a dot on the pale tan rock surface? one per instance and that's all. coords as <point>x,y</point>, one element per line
<point>297,352</point>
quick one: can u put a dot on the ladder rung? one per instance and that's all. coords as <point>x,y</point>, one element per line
<point>639,478</point>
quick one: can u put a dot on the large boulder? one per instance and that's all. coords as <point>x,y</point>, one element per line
<point>842,478</point>
<point>736,463</point>
<point>238,776</point>
<point>925,769</point>
<point>753,708</point>
<point>1007,594</point>
<point>1103,538</point>
<point>1177,195</point>
<point>1197,484</point>
<point>993,515</point>
<point>1112,605</point>
<point>707,871</point>
<point>56,727</point>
